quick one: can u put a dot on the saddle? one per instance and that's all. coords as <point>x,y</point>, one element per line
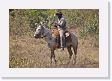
<point>56,36</point>
<point>55,33</point>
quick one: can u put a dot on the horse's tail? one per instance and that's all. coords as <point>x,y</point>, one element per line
<point>75,43</point>
<point>75,47</point>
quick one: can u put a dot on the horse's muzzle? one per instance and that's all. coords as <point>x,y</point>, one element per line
<point>36,36</point>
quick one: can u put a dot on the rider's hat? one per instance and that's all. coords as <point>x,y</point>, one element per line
<point>59,13</point>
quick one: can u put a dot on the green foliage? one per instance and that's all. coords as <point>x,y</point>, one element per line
<point>91,24</point>
<point>22,21</point>
<point>19,24</point>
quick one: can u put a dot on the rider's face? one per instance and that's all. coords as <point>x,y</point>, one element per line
<point>59,16</point>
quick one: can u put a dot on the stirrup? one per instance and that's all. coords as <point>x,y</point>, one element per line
<point>62,48</point>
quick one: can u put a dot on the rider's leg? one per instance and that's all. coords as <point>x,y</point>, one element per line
<point>61,38</point>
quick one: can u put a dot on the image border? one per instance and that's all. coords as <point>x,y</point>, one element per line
<point>101,72</point>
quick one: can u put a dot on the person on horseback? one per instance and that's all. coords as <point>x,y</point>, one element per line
<point>61,25</point>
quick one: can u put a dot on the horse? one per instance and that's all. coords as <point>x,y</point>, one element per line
<point>44,32</point>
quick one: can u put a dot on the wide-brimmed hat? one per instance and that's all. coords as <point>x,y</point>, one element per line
<point>59,13</point>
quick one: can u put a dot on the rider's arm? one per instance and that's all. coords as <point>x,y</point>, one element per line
<point>62,23</point>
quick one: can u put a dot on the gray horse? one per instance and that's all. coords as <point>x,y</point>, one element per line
<point>43,32</point>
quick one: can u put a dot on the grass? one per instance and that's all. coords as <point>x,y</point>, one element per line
<point>28,52</point>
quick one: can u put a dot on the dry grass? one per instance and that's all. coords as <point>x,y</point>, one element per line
<point>28,52</point>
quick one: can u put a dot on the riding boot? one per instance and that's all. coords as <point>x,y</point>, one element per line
<point>62,43</point>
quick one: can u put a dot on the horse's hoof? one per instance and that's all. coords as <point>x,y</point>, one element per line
<point>68,62</point>
<point>55,61</point>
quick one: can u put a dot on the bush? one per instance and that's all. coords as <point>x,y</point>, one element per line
<point>22,21</point>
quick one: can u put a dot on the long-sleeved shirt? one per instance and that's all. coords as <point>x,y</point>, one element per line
<point>62,23</point>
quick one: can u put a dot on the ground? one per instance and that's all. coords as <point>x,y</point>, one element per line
<point>28,52</point>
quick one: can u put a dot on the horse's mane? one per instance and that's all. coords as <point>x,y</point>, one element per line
<point>47,29</point>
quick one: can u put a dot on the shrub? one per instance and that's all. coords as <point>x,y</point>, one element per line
<point>22,21</point>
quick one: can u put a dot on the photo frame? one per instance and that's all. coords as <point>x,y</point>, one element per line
<point>101,72</point>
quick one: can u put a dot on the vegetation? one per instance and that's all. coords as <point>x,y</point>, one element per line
<point>24,20</point>
<point>25,51</point>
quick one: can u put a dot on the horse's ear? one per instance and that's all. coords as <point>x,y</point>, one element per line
<point>41,23</point>
<point>36,24</point>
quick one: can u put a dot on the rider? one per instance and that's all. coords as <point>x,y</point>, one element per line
<point>61,25</point>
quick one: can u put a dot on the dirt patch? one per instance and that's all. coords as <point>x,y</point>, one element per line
<point>28,52</point>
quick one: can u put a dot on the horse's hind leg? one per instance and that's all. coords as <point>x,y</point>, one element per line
<point>53,56</point>
<point>70,53</point>
<point>75,53</point>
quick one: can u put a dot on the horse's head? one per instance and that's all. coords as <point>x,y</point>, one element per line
<point>39,31</point>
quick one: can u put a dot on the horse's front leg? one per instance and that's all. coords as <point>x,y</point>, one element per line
<point>53,57</point>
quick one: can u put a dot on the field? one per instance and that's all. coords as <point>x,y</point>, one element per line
<point>27,52</point>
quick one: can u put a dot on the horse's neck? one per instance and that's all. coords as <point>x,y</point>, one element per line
<point>48,35</point>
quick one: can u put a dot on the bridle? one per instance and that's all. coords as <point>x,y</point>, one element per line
<point>42,34</point>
